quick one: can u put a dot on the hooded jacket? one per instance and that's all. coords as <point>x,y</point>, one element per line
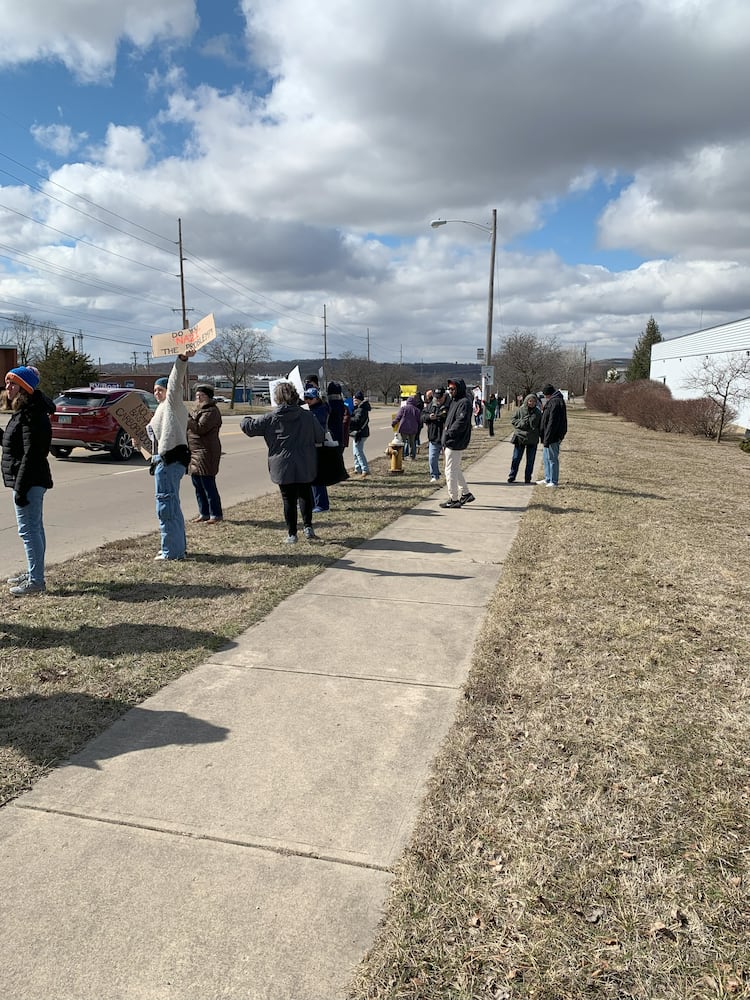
<point>26,443</point>
<point>527,422</point>
<point>457,429</point>
<point>407,420</point>
<point>291,433</point>
<point>359,425</point>
<point>554,419</point>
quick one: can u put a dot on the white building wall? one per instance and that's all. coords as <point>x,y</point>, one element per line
<point>673,361</point>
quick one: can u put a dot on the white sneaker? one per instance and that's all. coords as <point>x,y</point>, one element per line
<point>433,480</point>
<point>18,578</point>
<point>290,540</point>
<point>553,485</point>
<point>309,534</point>
<point>541,482</point>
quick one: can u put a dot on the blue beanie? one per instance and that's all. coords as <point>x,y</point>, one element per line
<point>163,382</point>
<point>25,377</point>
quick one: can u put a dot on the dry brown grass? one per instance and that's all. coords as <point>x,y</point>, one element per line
<point>586,831</point>
<point>114,626</point>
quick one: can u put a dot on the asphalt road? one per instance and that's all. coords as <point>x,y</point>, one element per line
<point>96,500</point>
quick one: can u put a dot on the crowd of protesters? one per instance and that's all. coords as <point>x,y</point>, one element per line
<point>306,439</point>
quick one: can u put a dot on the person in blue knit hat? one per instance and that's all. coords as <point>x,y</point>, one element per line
<point>25,470</point>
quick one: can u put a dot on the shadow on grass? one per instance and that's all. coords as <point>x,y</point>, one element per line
<point>113,640</point>
<point>49,728</point>
<point>614,490</point>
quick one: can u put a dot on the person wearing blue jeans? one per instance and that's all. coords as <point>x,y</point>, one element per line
<point>359,429</point>
<point>25,469</point>
<point>167,479</point>
<point>554,427</point>
<point>433,418</point>
<point>170,457</point>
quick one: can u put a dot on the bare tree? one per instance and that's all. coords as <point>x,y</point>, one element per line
<point>725,379</point>
<point>525,361</point>
<point>34,340</point>
<point>355,372</point>
<point>238,351</point>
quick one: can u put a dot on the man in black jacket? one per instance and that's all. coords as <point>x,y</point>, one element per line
<point>455,440</point>
<point>433,418</point>
<point>553,430</point>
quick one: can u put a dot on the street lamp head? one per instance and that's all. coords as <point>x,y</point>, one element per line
<point>436,223</point>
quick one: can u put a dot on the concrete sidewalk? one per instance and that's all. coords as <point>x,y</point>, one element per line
<point>233,836</point>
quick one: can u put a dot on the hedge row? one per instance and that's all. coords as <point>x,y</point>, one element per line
<point>650,404</point>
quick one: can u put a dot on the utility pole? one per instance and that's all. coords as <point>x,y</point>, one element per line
<point>147,356</point>
<point>135,361</point>
<point>182,276</point>
<point>368,343</point>
<point>584,368</point>
<point>325,337</point>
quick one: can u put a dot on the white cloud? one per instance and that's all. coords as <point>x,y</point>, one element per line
<point>381,115</point>
<point>84,35</point>
<point>61,139</point>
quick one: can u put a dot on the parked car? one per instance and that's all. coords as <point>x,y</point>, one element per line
<point>220,399</point>
<point>82,420</point>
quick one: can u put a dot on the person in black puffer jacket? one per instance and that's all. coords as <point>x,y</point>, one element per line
<point>25,470</point>
<point>456,437</point>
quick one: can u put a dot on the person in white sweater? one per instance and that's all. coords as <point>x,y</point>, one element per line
<point>170,457</point>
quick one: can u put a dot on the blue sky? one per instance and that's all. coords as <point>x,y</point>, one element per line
<point>306,149</point>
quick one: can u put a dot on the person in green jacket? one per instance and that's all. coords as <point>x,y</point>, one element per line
<point>527,422</point>
<point>490,412</point>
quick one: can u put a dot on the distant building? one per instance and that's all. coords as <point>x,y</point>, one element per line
<point>674,361</point>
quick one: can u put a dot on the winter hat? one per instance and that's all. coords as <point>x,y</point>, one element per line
<point>333,389</point>
<point>163,382</point>
<point>312,393</point>
<point>25,377</point>
<point>207,390</point>
<point>359,394</point>
<point>440,391</point>
<point>548,389</point>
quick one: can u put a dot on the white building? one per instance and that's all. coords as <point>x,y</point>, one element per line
<point>673,361</point>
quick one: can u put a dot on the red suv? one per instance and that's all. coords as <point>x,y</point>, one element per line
<point>82,420</point>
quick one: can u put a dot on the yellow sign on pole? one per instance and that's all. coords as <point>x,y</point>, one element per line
<point>165,345</point>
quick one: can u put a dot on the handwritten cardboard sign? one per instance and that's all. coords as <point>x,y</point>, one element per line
<point>133,413</point>
<point>169,344</point>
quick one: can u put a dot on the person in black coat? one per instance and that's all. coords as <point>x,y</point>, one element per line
<point>25,470</point>
<point>292,434</point>
<point>553,430</point>
<point>455,440</point>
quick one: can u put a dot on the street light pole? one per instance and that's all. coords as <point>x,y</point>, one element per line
<point>492,230</point>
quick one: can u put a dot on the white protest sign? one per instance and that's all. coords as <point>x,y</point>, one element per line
<point>169,344</point>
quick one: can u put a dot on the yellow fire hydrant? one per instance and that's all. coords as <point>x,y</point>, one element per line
<point>395,452</point>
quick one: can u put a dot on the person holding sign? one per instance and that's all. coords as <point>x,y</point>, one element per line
<point>170,457</point>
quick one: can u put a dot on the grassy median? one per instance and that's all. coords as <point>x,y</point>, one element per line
<point>114,626</point>
<point>586,829</point>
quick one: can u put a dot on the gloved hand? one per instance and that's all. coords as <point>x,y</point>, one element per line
<point>20,501</point>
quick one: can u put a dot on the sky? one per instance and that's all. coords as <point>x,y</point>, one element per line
<point>307,147</point>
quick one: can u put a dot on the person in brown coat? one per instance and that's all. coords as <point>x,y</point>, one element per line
<point>205,453</point>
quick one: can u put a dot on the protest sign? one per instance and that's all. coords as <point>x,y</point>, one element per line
<point>132,413</point>
<point>169,344</point>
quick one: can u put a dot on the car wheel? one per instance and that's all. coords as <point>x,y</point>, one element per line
<point>123,447</point>
<point>57,451</point>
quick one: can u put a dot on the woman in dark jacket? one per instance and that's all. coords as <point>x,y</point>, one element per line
<point>26,471</point>
<point>205,454</point>
<point>526,421</point>
<point>292,434</point>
